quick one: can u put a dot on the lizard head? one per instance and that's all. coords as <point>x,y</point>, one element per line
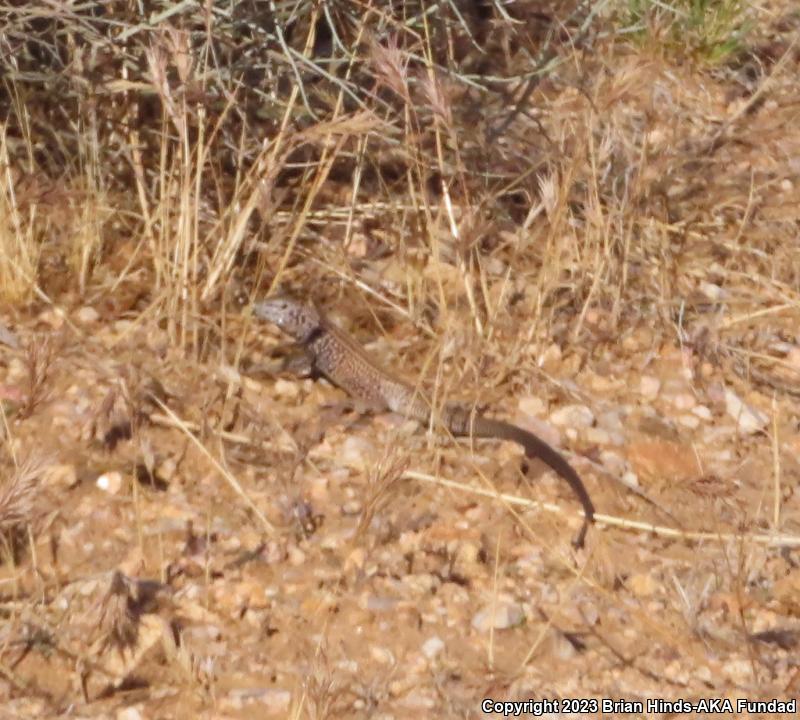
<point>295,318</point>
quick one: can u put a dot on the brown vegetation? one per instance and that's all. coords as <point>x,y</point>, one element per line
<point>583,216</point>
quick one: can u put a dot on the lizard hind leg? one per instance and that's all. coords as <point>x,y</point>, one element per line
<point>297,362</point>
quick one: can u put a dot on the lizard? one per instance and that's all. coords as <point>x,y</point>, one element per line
<point>336,355</point>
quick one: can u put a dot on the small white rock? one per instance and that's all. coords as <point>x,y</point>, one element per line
<point>532,405</point>
<point>229,374</point>
<point>684,401</point>
<point>110,482</point>
<point>17,370</point>
<point>356,452</point>
<point>129,713</point>
<point>573,416</point>
<point>649,387</point>
<point>611,421</point>
<point>506,614</point>
<point>432,647</point>
<point>712,291</point>
<point>656,137</point>
<point>286,389</point>
<point>598,436</point>
<point>689,421</point>
<point>317,487</point>
<point>8,338</point>
<point>295,555</point>
<point>702,412</point>
<point>52,317</point>
<point>612,462</point>
<point>631,479</point>
<point>749,420</point>
<point>736,670</point>
<point>351,507</point>
<point>382,655</point>
<point>166,469</point>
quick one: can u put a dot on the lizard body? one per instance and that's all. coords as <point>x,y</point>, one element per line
<point>345,363</point>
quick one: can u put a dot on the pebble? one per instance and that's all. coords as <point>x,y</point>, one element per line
<point>8,338</point>
<point>16,370</point>
<point>432,647</point>
<point>656,137</point>
<point>421,584</point>
<point>598,436</point>
<point>506,614</point>
<point>355,452</point>
<point>642,585</point>
<point>605,383</point>
<point>382,655</point>
<point>87,315</point>
<point>649,387</point>
<point>702,412</point>
<point>229,374</point>
<point>684,401</point>
<point>611,421</point>
<point>286,389</point>
<point>351,507</point>
<point>738,671</point>
<point>573,416</point>
<point>689,421</point>
<point>355,561</point>
<point>533,406</point>
<point>317,487</point>
<point>716,393</point>
<point>631,479</point>
<point>129,713</point>
<point>61,476</point>
<point>749,420</point>
<point>122,327</point>
<point>110,482</point>
<point>295,555</point>
<point>612,462</point>
<point>712,291</point>
<point>467,552</point>
<point>165,470</point>
<point>53,318</point>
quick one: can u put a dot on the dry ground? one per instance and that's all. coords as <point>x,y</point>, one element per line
<point>191,531</point>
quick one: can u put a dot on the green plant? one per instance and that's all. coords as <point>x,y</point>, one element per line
<point>706,30</point>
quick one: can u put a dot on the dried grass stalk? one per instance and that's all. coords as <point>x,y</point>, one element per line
<point>18,496</point>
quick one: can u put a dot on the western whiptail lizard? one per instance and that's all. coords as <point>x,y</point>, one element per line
<point>336,355</point>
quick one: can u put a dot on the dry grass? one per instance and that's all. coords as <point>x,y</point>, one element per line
<point>18,495</point>
<point>536,207</point>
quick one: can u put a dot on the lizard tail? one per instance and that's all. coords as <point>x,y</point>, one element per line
<point>536,448</point>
